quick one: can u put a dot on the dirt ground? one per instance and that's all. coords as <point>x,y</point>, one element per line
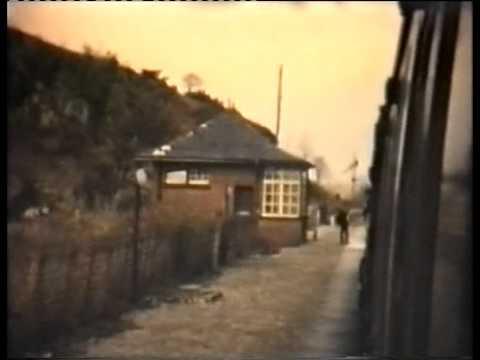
<point>302,300</point>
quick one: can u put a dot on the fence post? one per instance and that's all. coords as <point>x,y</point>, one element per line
<point>135,243</point>
<point>217,236</point>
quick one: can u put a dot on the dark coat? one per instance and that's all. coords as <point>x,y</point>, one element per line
<point>342,218</point>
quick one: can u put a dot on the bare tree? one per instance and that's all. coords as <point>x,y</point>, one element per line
<point>192,81</point>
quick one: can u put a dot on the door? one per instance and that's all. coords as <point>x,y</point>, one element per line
<point>243,203</point>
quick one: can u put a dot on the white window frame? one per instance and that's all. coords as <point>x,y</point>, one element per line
<point>171,181</point>
<point>191,177</point>
<point>198,177</point>
<point>278,185</point>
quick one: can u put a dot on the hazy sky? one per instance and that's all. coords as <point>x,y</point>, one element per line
<point>336,57</point>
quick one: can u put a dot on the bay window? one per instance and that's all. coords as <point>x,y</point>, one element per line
<point>282,193</point>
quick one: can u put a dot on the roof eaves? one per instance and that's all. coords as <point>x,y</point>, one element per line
<point>252,161</point>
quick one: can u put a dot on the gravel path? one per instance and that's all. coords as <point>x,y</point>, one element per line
<point>302,300</point>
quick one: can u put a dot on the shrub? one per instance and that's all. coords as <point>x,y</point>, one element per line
<point>62,233</point>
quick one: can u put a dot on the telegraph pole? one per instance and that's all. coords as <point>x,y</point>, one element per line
<point>354,175</point>
<point>279,101</point>
<point>353,169</point>
<point>354,180</point>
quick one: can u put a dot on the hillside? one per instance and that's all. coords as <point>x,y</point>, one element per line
<point>76,120</point>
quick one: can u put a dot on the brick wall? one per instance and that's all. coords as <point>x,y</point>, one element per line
<point>207,202</point>
<point>282,232</point>
<point>203,201</point>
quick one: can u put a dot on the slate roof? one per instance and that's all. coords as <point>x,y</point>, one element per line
<point>225,138</point>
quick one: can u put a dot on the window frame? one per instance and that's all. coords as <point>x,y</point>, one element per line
<point>201,178</point>
<point>281,182</point>
<point>166,181</point>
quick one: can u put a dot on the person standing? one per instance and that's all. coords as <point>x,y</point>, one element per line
<point>318,220</point>
<point>343,224</point>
